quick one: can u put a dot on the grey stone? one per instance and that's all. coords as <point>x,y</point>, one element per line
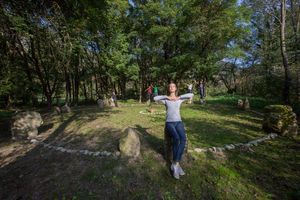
<point>25,125</point>
<point>240,103</point>
<point>129,144</point>
<point>229,147</point>
<point>246,105</point>
<point>100,103</point>
<point>34,141</point>
<point>239,144</point>
<point>65,109</point>
<point>57,109</point>
<point>280,119</point>
<point>218,149</point>
<point>199,150</point>
<point>97,153</point>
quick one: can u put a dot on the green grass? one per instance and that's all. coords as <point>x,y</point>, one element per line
<point>270,172</point>
<point>256,103</point>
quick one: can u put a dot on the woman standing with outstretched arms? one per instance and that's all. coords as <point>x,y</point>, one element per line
<point>174,125</point>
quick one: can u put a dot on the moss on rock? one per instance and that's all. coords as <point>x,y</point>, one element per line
<point>280,119</point>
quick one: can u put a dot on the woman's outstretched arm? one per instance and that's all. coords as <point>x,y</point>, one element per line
<point>160,98</point>
<point>186,96</point>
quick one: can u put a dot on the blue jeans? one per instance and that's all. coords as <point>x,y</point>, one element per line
<point>177,133</point>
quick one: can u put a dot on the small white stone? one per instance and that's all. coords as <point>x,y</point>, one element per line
<point>229,147</point>
<point>247,145</point>
<point>86,152</point>
<point>255,143</point>
<point>73,151</point>
<point>198,150</point>
<point>34,141</point>
<point>239,144</point>
<point>219,149</point>
<point>118,153</point>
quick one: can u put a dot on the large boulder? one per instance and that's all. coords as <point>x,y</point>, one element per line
<point>130,145</point>
<point>25,125</point>
<point>280,119</point>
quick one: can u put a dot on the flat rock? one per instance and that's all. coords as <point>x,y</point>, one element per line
<point>129,144</point>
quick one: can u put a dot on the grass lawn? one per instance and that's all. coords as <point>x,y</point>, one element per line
<point>272,171</point>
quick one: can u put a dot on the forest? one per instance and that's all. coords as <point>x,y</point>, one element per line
<point>73,51</point>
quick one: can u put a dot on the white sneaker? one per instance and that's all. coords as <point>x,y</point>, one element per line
<point>172,167</point>
<point>181,172</point>
<point>175,170</point>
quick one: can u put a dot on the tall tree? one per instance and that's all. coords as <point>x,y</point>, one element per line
<point>287,81</point>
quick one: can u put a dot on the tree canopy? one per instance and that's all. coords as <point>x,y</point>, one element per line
<point>73,49</point>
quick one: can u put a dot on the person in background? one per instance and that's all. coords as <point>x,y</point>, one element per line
<point>190,90</point>
<point>149,92</point>
<point>202,91</point>
<point>114,98</point>
<point>155,91</point>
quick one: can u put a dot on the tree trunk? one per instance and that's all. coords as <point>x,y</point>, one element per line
<point>45,85</point>
<point>140,89</point>
<point>91,89</point>
<point>68,87</point>
<point>72,89</point>
<point>84,91</point>
<point>295,16</point>
<point>49,101</point>
<point>287,81</point>
<point>76,81</point>
<point>24,55</point>
<point>8,101</point>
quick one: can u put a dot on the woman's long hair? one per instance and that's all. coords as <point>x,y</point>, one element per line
<point>168,92</point>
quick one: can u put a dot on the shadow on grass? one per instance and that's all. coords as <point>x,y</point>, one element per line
<point>210,133</point>
<point>5,134</point>
<point>274,167</point>
<point>155,143</point>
